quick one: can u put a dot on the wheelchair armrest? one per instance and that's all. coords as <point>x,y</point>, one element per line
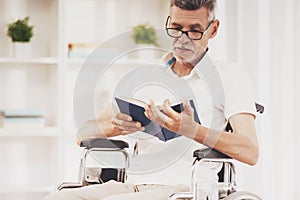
<point>68,185</point>
<point>182,195</point>
<point>103,143</point>
<point>209,153</point>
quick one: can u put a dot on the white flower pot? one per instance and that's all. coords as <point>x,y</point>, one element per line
<point>21,49</point>
<point>145,51</point>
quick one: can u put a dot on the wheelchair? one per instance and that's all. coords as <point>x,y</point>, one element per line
<point>227,184</point>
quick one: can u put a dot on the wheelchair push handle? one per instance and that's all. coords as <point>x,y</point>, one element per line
<point>104,143</point>
<point>259,108</point>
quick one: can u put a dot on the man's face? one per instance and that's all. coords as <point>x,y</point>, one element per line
<point>185,49</point>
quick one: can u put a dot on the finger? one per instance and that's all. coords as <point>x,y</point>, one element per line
<point>188,108</point>
<point>116,128</point>
<point>147,106</point>
<point>168,110</point>
<point>126,123</point>
<point>122,116</point>
<point>127,130</point>
<point>156,115</point>
<point>126,120</point>
<point>124,132</point>
<point>147,110</point>
<point>131,129</point>
<point>119,131</point>
<point>122,127</point>
<point>147,114</point>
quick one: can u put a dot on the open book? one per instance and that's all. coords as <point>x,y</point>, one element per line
<point>135,108</point>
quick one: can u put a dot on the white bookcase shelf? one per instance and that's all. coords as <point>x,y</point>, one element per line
<point>42,60</point>
<point>47,132</point>
<point>24,190</point>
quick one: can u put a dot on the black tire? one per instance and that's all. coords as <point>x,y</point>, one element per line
<point>240,195</point>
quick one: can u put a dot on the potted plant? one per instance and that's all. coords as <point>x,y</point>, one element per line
<point>144,34</point>
<point>20,33</point>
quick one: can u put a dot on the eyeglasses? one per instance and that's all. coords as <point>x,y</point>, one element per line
<point>191,34</point>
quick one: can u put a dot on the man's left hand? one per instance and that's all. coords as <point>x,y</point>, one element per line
<point>182,123</point>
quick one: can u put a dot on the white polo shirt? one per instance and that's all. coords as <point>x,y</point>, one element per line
<point>219,90</point>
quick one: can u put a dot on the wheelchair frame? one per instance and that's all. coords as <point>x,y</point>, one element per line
<point>228,174</point>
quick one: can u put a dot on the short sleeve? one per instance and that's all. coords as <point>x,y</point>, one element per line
<point>238,92</point>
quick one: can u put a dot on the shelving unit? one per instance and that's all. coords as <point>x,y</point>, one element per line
<point>34,161</point>
<point>30,158</point>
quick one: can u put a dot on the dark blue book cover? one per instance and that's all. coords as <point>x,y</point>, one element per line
<point>135,109</point>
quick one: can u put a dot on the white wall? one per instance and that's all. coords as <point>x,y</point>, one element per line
<point>264,36</point>
<point>97,21</point>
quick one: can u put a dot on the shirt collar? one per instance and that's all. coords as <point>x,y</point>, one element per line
<point>195,71</point>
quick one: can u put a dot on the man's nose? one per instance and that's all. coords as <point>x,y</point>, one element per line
<point>184,38</point>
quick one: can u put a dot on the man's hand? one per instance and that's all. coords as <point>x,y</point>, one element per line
<point>122,124</point>
<point>108,124</point>
<point>182,123</point>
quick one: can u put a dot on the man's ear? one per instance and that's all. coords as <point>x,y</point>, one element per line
<point>214,29</point>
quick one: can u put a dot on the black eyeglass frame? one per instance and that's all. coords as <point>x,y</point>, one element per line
<point>186,32</point>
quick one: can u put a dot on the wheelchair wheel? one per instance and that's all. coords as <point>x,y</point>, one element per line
<point>240,195</point>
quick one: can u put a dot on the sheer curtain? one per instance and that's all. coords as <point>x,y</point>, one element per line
<point>263,35</point>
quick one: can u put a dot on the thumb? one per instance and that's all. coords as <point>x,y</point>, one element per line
<point>188,108</point>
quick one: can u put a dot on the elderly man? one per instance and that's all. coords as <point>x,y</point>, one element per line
<point>191,24</point>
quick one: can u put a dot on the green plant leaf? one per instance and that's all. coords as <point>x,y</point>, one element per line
<point>144,34</point>
<point>20,30</point>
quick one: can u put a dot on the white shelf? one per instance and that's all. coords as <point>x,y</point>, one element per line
<point>123,61</point>
<point>47,132</point>
<point>31,189</point>
<point>42,60</point>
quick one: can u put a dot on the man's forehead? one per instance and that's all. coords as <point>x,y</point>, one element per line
<point>179,15</point>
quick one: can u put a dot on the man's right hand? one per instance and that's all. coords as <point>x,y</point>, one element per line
<point>123,125</point>
<point>108,124</point>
